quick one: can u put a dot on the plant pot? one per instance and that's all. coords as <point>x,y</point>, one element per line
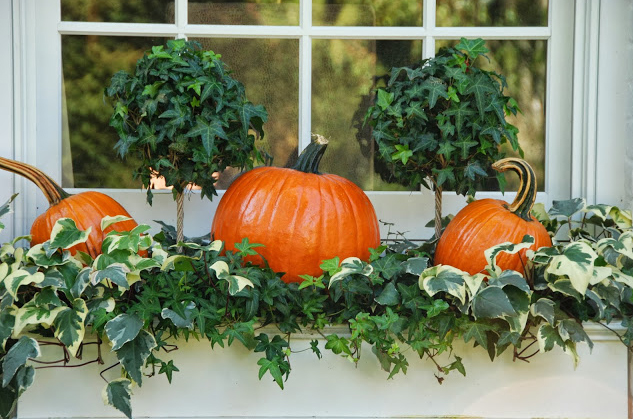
<point>224,383</point>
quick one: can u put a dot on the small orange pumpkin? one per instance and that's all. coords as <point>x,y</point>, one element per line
<point>301,216</point>
<point>485,223</point>
<point>86,209</point>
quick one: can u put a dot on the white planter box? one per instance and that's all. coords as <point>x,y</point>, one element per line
<point>224,383</point>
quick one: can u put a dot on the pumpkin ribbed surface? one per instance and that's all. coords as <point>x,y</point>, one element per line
<point>300,218</point>
<point>485,223</point>
<point>86,209</point>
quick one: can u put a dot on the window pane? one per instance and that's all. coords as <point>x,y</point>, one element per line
<point>344,72</point>
<point>88,64</point>
<point>269,69</point>
<point>246,12</point>
<point>524,65</point>
<point>367,12</point>
<point>492,13</point>
<point>135,11</point>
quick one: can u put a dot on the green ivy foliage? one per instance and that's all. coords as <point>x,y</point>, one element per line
<point>443,119</point>
<point>140,295</point>
<point>184,115</point>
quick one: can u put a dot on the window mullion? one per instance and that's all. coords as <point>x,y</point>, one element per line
<point>182,17</point>
<point>428,48</point>
<point>305,74</point>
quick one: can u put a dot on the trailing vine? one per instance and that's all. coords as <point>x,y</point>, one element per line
<point>397,302</point>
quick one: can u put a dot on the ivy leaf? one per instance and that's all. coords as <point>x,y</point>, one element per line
<point>32,314</point>
<point>567,208</point>
<point>271,366</point>
<point>389,295</point>
<point>248,112</point>
<point>461,112</point>
<point>179,320</point>
<point>208,131</point>
<point>116,272</point>
<point>478,332</point>
<point>168,369</point>
<point>472,47</point>
<point>134,353</point>
<point>7,322</point>
<point>547,336</point>
<point>570,329</point>
<point>238,283</point>
<point>24,378</point>
<point>576,263</point>
<point>384,99</point>
<point>82,280</point>
<point>122,329</point>
<point>25,349</point>
<point>444,278</point>
<point>18,278</point>
<point>544,308</point>
<point>65,234</point>
<point>70,326</point>
<point>436,88</point>
<point>480,87</point>
<point>402,153</point>
<point>338,345</point>
<point>117,394</point>
<point>492,302</point>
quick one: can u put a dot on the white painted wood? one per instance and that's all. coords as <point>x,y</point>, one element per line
<point>6,110</point>
<point>224,383</point>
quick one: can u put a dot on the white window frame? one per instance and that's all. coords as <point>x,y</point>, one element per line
<point>37,75</point>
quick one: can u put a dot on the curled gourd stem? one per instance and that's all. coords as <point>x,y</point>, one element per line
<point>51,190</point>
<point>526,195</point>
<point>310,157</point>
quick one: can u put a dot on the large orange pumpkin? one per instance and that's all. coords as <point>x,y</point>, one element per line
<point>86,209</point>
<point>485,223</point>
<point>300,215</point>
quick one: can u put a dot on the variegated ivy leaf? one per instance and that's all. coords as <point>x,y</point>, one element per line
<point>158,254</point>
<point>571,330</point>
<point>214,246</point>
<point>178,319</point>
<point>567,208</point>
<point>16,279</point>
<point>622,278</point>
<point>178,263</point>
<point>82,280</point>
<point>31,314</point>
<point>539,211</point>
<point>134,353</point>
<point>596,302</point>
<point>18,255</point>
<point>220,268</point>
<point>7,321</point>
<point>122,329</point>
<point>512,278</point>
<point>24,378</point>
<point>116,273</point>
<point>117,394</point>
<point>623,245</point>
<point>473,283</point>
<point>4,271</point>
<point>622,218</point>
<point>6,250</point>
<point>570,349</point>
<point>107,221</point>
<point>544,308</point>
<point>70,325</point>
<point>127,240</point>
<point>575,263</point>
<point>492,303</point>
<point>43,255</point>
<point>65,234</point>
<point>601,211</point>
<point>444,278</point>
<point>25,349</point>
<point>507,247</point>
<point>238,283</point>
<point>547,336</point>
<point>350,266</point>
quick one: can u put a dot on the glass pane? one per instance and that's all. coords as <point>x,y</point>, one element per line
<point>269,69</point>
<point>344,72</point>
<point>492,13</point>
<point>367,12</point>
<point>88,64</point>
<point>245,12</point>
<point>135,11</point>
<point>524,65</point>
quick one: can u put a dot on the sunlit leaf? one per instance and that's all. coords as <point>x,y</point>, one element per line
<point>65,234</point>
<point>122,329</point>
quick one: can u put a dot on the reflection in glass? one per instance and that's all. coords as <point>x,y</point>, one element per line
<point>492,13</point>
<point>246,12</point>
<point>88,63</point>
<point>343,74</point>
<point>367,12</point>
<point>133,11</point>
<point>269,69</point>
<point>524,65</point>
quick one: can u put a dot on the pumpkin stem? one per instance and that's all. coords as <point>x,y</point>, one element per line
<point>51,190</point>
<point>526,195</point>
<point>310,157</point>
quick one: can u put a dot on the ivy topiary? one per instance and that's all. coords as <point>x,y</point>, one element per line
<point>441,122</point>
<point>186,118</point>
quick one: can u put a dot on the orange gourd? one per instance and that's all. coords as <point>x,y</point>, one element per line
<point>301,216</point>
<point>85,208</point>
<point>487,222</point>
